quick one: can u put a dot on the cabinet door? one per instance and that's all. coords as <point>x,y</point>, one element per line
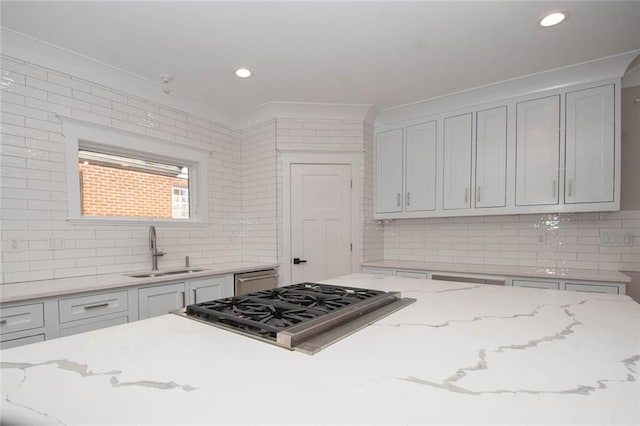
<point>389,171</point>
<point>420,160</point>
<point>159,300</point>
<point>590,152</point>
<point>592,288</point>
<point>491,157</point>
<point>210,289</point>
<point>537,151</point>
<point>457,162</point>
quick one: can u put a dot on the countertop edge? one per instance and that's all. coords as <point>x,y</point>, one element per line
<point>516,271</point>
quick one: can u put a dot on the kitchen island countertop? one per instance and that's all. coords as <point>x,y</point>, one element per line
<point>463,353</point>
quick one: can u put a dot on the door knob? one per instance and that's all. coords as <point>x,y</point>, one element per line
<point>297,261</point>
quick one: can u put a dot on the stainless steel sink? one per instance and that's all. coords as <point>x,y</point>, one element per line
<point>163,273</point>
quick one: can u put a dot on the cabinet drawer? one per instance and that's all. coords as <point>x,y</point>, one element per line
<point>19,318</point>
<point>592,288</point>
<point>95,325</point>
<point>96,305</point>
<point>411,274</point>
<point>551,285</point>
<point>12,343</point>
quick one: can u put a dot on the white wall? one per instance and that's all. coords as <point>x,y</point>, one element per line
<point>33,185</point>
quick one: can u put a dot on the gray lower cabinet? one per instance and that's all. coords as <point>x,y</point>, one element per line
<point>21,324</point>
<point>210,289</point>
<point>19,341</point>
<point>515,281</point>
<point>161,299</point>
<point>552,285</point>
<point>43,319</point>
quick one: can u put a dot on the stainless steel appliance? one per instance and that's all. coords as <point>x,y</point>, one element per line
<point>250,282</point>
<point>306,317</point>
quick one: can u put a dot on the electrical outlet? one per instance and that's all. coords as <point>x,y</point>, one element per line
<point>56,243</point>
<point>13,245</point>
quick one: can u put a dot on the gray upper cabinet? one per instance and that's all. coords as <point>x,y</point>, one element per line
<point>457,162</point>
<point>421,167</point>
<point>590,147</point>
<point>389,171</point>
<point>549,152</point>
<point>491,158</point>
<point>538,151</point>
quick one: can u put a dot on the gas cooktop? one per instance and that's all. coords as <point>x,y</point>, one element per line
<point>306,317</point>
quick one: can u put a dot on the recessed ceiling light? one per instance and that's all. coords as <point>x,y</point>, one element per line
<point>243,73</point>
<point>551,19</point>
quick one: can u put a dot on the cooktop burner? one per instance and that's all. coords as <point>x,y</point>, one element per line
<point>286,315</point>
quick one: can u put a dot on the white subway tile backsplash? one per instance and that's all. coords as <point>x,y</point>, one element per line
<point>560,240</point>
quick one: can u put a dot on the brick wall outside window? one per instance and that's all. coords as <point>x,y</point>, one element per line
<point>107,191</point>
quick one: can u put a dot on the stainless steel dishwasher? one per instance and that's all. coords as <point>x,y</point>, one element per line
<point>249,282</point>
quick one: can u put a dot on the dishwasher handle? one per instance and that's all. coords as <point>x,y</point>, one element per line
<point>259,277</point>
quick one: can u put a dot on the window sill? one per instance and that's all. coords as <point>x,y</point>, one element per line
<point>114,221</point>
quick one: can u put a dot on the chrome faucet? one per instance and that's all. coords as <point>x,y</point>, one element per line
<point>153,246</point>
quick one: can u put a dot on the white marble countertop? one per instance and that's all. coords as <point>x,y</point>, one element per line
<point>56,287</point>
<point>515,271</point>
<point>462,353</point>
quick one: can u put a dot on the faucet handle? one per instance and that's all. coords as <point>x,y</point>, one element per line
<point>158,254</point>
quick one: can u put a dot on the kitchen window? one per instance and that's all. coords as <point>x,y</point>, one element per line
<point>120,176</point>
<point>180,202</point>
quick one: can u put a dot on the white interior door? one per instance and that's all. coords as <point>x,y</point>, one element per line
<point>320,221</point>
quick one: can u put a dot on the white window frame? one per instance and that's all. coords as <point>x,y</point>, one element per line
<point>117,141</point>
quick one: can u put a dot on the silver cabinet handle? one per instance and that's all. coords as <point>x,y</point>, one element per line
<point>466,194</point>
<point>101,305</point>
<point>408,198</point>
<point>261,277</point>
<point>2,322</point>
<point>553,193</point>
<point>478,194</point>
<point>398,199</point>
<point>183,299</point>
<point>195,295</point>
<point>570,187</point>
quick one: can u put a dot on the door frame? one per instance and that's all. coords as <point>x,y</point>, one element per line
<point>351,158</point>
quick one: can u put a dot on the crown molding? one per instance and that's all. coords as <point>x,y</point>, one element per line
<point>59,59</point>
<point>306,110</point>
<point>586,72</point>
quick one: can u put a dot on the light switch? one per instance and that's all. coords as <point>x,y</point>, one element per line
<point>616,237</point>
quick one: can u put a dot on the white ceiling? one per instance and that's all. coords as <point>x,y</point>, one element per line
<point>380,53</point>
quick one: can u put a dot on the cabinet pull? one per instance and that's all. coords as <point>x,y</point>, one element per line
<point>195,295</point>
<point>466,195</point>
<point>478,194</point>
<point>408,198</point>
<point>398,199</point>
<point>183,299</point>
<point>553,190</point>
<point>570,187</point>
<point>100,305</point>
<point>2,322</point>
